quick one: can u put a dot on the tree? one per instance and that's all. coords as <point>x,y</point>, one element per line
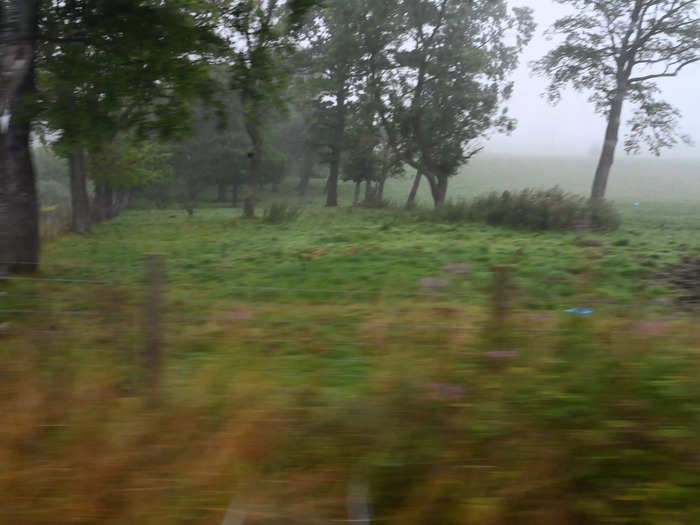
<point>369,157</point>
<point>381,37</point>
<point>19,217</point>
<point>304,142</point>
<point>261,37</point>
<point>91,94</point>
<point>120,166</point>
<point>214,153</point>
<point>333,58</point>
<point>362,164</point>
<point>304,133</point>
<point>616,49</point>
<point>451,79</point>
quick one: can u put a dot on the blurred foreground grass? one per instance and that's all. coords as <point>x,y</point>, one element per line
<point>295,368</point>
<point>569,420</point>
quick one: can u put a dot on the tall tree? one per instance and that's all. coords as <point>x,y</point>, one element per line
<point>261,35</point>
<point>616,49</point>
<point>19,221</point>
<point>214,154</point>
<point>451,80</point>
<point>334,58</point>
<point>90,94</point>
<point>305,132</point>
<point>381,37</point>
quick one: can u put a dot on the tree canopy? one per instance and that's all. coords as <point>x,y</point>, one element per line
<point>617,50</point>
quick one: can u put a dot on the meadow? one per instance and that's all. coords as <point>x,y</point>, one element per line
<point>309,376</point>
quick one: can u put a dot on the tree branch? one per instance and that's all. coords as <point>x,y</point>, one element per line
<point>666,73</point>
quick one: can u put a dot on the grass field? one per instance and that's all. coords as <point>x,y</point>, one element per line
<point>388,251</point>
<point>304,365</point>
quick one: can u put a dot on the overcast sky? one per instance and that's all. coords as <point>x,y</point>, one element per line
<point>572,127</point>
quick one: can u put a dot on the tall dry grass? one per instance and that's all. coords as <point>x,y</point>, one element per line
<point>578,421</point>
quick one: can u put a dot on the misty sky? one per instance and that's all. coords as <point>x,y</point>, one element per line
<point>572,127</point>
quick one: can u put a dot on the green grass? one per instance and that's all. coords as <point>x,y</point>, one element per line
<point>380,251</point>
<point>296,359</point>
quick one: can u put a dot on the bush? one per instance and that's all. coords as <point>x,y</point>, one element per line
<point>530,209</point>
<point>604,215</point>
<point>281,212</point>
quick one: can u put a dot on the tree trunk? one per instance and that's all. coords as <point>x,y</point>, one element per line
<point>121,201</point>
<point>110,199</point>
<point>336,149</point>
<point>80,203</point>
<point>379,189</point>
<point>414,190</point>
<point>332,184</point>
<point>607,157</point>
<point>379,192</point>
<point>221,192</point>
<point>255,159</point>
<point>441,196</point>
<point>249,202</point>
<point>253,180</point>
<point>19,204</point>
<point>307,166</point>
<point>356,198</point>
<point>438,189</point>
<point>103,206</point>
<point>368,191</point>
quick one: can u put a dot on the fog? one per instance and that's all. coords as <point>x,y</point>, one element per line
<point>572,127</point>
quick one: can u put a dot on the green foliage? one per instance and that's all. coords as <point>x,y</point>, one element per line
<point>280,213</point>
<point>603,215</point>
<point>131,164</point>
<point>537,210</point>
<point>261,40</point>
<point>540,210</point>
<point>89,92</point>
<point>452,82</point>
<point>620,48</point>
<point>215,153</point>
<point>362,162</point>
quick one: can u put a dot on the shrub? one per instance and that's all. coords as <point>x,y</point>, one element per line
<point>604,215</point>
<point>281,212</point>
<point>539,210</point>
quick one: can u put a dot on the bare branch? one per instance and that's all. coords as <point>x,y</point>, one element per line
<point>666,73</point>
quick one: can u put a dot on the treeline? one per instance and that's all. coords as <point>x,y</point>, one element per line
<point>358,91</point>
<point>228,92</point>
<point>371,86</point>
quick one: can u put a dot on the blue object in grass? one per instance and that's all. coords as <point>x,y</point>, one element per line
<point>579,311</point>
<point>637,204</point>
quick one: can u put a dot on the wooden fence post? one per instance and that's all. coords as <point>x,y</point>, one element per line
<point>155,265</point>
